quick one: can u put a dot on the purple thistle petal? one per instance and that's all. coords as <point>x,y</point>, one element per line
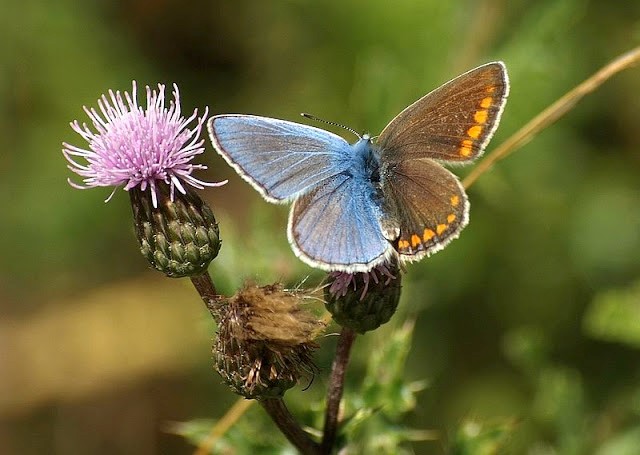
<point>342,281</point>
<point>134,146</point>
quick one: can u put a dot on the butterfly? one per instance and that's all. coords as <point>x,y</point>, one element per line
<point>358,205</point>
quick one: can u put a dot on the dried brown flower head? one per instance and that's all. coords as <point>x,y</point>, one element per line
<point>265,341</point>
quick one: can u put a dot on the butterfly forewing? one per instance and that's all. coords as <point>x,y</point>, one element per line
<point>336,226</point>
<point>427,204</point>
<point>278,158</point>
<point>452,123</point>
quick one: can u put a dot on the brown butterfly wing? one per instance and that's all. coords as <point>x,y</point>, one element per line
<point>426,204</point>
<point>453,123</point>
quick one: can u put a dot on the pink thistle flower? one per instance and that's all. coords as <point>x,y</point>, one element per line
<point>364,301</point>
<point>342,281</point>
<point>135,146</point>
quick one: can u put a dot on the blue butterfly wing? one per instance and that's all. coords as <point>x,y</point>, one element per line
<point>336,226</point>
<point>280,159</point>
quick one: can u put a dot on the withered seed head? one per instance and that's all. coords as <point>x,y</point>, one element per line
<point>265,341</point>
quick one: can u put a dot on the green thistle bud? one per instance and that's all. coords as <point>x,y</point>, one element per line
<point>265,341</point>
<point>363,301</point>
<point>180,236</point>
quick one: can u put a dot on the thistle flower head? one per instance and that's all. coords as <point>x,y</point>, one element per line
<point>265,341</point>
<point>179,237</point>
<point>342,282</point>
<point>135,146</point>
<point>364,301</point>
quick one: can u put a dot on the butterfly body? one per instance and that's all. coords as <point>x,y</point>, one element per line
<point>357,205</point>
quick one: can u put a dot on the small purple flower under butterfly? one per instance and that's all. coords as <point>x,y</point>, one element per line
<point>135,146</point>
<point>342,281</point>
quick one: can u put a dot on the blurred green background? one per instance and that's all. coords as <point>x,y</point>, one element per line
<point>532,316</point>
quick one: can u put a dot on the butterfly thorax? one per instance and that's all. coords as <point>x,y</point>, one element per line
<point>367,161</point>
<point>366,169</point>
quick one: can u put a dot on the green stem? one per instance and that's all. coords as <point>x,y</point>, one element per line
<point>336,388</point>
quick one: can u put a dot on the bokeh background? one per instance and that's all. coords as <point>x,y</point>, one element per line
<point>532,315</point>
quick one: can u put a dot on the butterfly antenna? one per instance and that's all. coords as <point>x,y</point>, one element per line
<point>328,122</point>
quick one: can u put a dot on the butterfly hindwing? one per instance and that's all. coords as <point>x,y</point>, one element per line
<point>336,226</point>
<point>278,158</point>
<point>453,123</point>
<point>427,205</point>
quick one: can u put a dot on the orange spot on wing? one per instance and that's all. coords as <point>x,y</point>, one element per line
<point>441,228</point>
<point>486,102</point>
<point>451,218</point>
<point>428,235</point>
<point>415,241</point>
<point>481,116</point>
<point>465,148</point>
<point>403,244</point>
<point>455,200</point>
<point>474,131</point>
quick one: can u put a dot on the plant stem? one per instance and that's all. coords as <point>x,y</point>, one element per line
<point>279,413</point>
<point>207,290</point>
<point>336,387</point>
